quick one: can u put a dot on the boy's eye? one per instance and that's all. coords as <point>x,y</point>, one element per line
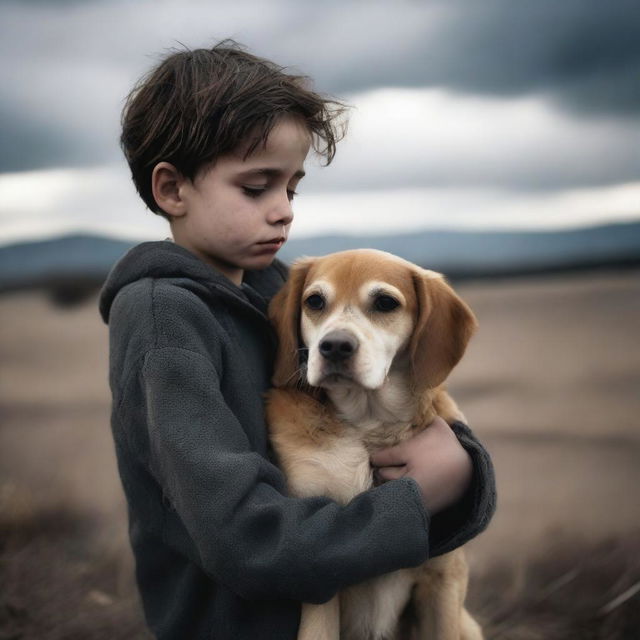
<point>253,192</point>
<point>256,192</point>
<point>315,302</point>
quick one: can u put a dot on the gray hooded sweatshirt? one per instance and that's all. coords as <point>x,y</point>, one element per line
<point>221,550</point>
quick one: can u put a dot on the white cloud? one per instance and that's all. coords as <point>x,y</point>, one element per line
<point>412,159</point>
<point>400,210</point>
<point>102,200</point>
<point>51,202</point>
<point>431,137</point>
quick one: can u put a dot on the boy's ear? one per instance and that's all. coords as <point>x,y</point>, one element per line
<point>166,181</point>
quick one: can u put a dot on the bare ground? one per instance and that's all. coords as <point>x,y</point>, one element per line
<point>551,384</point>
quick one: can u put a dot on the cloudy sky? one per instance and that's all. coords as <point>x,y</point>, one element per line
<point>465,113</point>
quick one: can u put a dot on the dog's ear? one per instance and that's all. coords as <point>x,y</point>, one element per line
<point>284,313</point>
<point>443,328</point>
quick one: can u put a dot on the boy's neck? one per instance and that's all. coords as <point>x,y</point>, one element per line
<point>231,273</point>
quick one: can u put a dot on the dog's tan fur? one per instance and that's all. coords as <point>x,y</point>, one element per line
<point>324,432</point>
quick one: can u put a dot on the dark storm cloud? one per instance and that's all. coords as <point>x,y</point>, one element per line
<point>66,65</point>
<point>585,53</point>
<point>27,144</point>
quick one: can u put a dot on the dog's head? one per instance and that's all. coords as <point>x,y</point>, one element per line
<point>360,313</point>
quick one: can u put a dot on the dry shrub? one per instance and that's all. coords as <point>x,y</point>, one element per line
<point>573,590</point>
<point>61,576</point>
<point>66,576</point>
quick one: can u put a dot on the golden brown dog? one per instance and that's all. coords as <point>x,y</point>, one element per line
<point>381,336</point>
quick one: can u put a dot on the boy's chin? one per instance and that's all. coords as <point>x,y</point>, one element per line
<point>260,262</point>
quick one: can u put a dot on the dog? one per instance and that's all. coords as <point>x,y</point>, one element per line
<point>366,341</point>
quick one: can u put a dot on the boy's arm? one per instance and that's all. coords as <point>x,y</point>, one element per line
<point>248,533</point>
<point>455,475</point>
<point>471,515</point>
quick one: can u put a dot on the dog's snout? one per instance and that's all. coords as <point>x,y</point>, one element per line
<point>338,345</point>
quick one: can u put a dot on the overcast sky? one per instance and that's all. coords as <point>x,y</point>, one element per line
<point>483,113</point>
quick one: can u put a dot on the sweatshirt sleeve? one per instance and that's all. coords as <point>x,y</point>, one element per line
<point>470,516</point>
<point>248,533</point>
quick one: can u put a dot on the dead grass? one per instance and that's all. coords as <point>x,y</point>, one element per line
<point>570,591</point>
<point>60,578</point>
<point>549,385</point>
<point>63,580</point>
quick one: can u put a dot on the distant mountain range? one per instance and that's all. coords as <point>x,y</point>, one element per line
<point>81,262</point>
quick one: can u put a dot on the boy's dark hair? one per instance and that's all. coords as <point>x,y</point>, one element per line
<point>198,105</point>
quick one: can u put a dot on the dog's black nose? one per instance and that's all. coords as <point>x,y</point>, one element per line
<point>338,345</point>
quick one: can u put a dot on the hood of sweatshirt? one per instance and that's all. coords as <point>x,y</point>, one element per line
<point>165,259</point>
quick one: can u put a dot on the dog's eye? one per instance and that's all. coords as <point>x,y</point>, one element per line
<point>315,302</point>
<point>385,303</point>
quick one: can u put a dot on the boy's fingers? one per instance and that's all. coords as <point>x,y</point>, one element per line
<point>391,473</point>
<point>392,457</point>
<point>421,442</point>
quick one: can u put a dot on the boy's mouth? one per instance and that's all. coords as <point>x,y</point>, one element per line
<point>270,246</point>
<point>273,243</point>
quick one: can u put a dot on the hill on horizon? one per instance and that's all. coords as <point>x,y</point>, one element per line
<point>81,262</point>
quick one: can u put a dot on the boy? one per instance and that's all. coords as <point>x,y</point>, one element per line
<point>216,141</point>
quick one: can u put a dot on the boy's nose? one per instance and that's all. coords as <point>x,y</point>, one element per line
<point>287,217</point>
<point>282,212</point>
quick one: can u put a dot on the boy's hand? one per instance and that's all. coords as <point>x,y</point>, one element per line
<point>434,459</point>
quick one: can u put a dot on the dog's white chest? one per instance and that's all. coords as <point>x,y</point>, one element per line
<point>339,469</point>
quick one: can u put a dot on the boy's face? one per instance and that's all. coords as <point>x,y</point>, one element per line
<point>237,214</point>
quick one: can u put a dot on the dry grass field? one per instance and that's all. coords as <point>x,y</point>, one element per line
<point>551,384</point>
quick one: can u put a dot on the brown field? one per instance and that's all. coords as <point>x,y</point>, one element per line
<point>551,384</point>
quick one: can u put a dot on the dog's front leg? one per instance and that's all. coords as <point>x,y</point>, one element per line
<point>320,621</point>
<point>439,600</point>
